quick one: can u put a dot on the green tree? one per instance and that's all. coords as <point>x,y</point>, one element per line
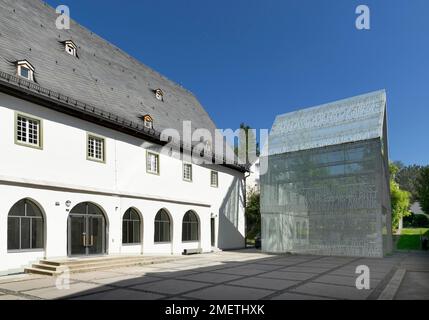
<point>422,188</point>
<point>253,215</point>
<point>400,199</point>
<point>407,177</point>
<point>246,144</point>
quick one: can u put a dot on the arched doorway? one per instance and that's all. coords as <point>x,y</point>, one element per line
<point>86,232</point>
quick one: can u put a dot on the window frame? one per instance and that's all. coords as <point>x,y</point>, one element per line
<point>157,173</point>
<point>170,229</point>
<point>39,145</point>
<point>217,179</point>
<point>140,223</point>
<point>183,172</point>
<point>190,224</point>
<point>30,218</point>
<point>25,64</point>
<point>95,136</point>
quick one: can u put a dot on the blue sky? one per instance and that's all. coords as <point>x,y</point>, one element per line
<point>249,60</point>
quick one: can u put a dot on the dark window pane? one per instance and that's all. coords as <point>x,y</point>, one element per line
<point>79,208</point>
<point>18,209</point>
<point>37,234</point>
<point>13,233</point>
<point>32,210</point>
<point>136,232</point>
<point>25,233</point>
<point>124,232</point>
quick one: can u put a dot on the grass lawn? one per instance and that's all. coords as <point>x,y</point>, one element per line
<point>410,238</point>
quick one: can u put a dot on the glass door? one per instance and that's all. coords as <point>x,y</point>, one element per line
<point>86,231</point>
<point>95,235</point>
<point>77,235</point>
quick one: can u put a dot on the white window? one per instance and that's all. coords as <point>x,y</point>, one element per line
<point>25,70</point>
<point>70,48</point>
<point>159,94</point>
<point>95,149</point>
<point>152,163</point>
<point>214,181</point>
<point>187,172</point>
<point>28,131</point>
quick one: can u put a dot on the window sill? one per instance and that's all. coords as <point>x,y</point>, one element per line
<point>191,241</point>
<point>28,145</point>
<point>26,250</point>
<point>162,242</point>
<point>131,244</point>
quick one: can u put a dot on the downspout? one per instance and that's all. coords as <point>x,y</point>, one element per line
<point>245,206</point>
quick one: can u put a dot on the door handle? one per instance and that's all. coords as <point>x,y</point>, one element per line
<point>92,241</point>
<point>84,240</point>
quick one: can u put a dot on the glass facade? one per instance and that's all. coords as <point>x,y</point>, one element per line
<point>332,199</point>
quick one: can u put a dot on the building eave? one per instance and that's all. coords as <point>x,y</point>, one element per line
<point>33,92</point>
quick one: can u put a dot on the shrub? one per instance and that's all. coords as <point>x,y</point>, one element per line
<point>408,220</point>
<point>420,221</point>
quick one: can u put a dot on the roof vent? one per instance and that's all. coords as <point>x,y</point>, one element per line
<point>147,121</point>
<point>70,47</point>
<point>159,95</point>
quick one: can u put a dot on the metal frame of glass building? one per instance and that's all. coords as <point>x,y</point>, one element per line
<point>326,187</point>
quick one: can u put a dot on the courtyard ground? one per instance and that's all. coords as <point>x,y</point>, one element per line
<point>242,274</point>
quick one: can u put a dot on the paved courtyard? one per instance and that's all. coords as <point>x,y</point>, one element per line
<point>244,274</point>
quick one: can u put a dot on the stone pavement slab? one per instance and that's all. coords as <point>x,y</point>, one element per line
<point>210,277</point>
<point>333,291</point>
<point>296,296</point>
<point>288,275</point>
<point>343,280</point>
<point>120,294</point>
<point>75,288</point>
<point>240,271</point>
<point>30,284</point>
<point>170,286</point>
<point>95,275</point>
<point>127,281</point>
<point>11,297</point>
<point>313,269</point>
<point>414,286</point>
<point>264,283</point>
<point>225,292</point>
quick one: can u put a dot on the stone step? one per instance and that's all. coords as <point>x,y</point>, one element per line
<point>44,266</point>
<point>77,261</point>
<point>54,268</point>
<point>42,271</point>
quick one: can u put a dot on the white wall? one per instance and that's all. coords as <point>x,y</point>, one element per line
<point>61,172</point>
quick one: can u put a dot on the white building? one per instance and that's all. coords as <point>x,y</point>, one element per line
<point>82,171</point>
<point>253,180</point>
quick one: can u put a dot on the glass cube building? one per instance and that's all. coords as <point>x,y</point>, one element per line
<point>326,187</point>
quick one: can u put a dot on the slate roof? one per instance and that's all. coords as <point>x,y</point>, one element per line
<point>348,120</point>
<point>103,78</point>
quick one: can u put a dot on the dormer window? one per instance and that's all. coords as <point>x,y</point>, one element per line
<point>70,48</point>
<point>148,121</point>
<point>25,70</point>
<point>159,94</point>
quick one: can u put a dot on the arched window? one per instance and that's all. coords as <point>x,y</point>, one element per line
<point>131,227</point>
<point>162,226</point>
<point>190,227</point>
<point>25,226</point>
